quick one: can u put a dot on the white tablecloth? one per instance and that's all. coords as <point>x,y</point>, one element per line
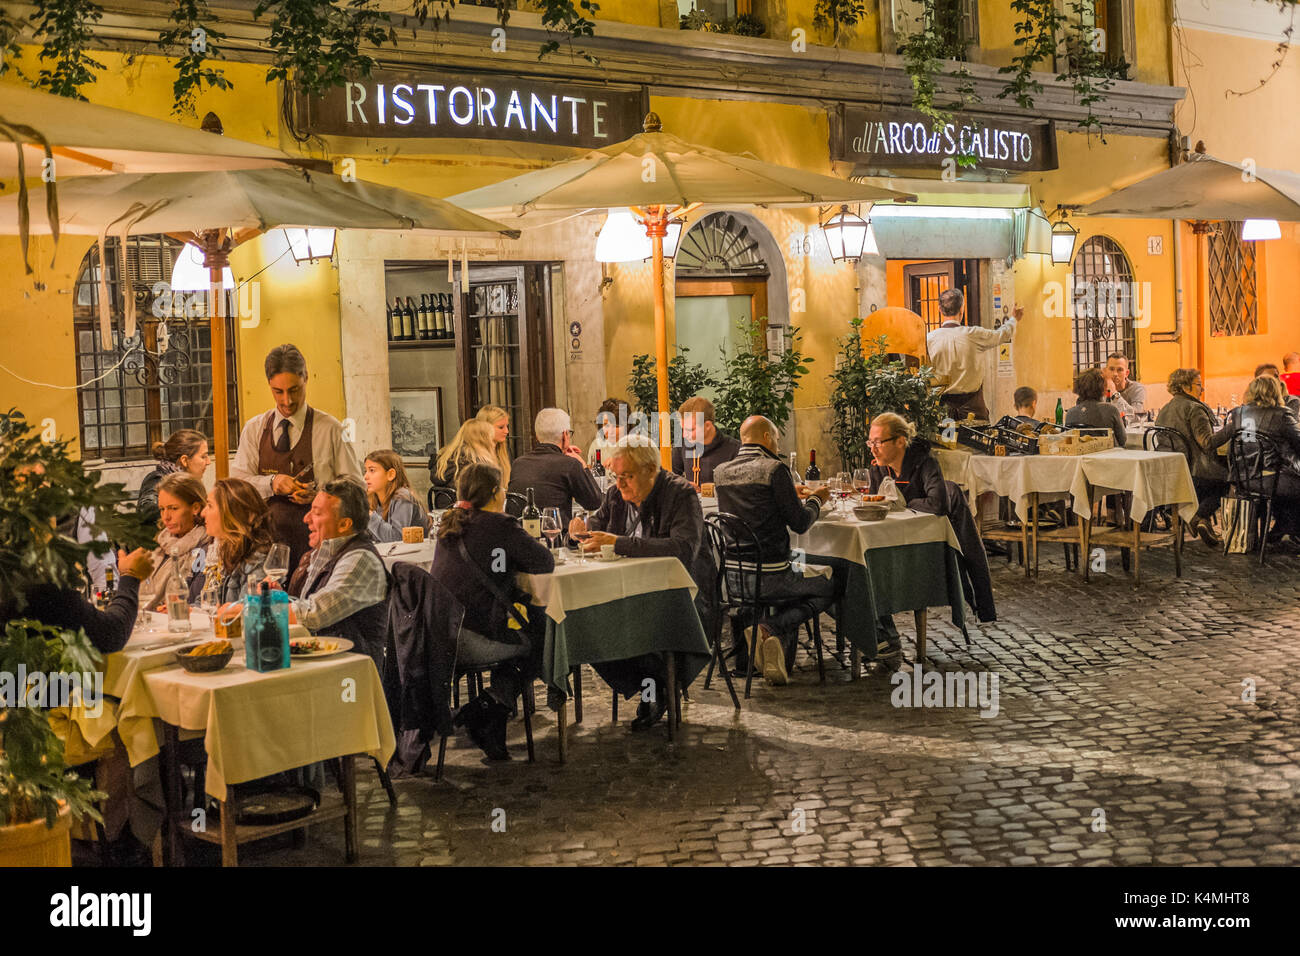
<point>851,539</point>
<point>1154,477</point>
<point>572,586</point>
<point>1018,476</point>
<point>394,552</point>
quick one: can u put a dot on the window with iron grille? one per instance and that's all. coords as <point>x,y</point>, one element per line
<point>1234,289</point>
<point>1102,302</point>
<point>135,391</point>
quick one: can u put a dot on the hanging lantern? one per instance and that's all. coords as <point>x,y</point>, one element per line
<point>308,245</point>
<point>1063,239</point>
<point>849,237</point>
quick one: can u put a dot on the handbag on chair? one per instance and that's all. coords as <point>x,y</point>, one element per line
<point>1240,526</point>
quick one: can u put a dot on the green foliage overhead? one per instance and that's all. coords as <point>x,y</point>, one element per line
<point>755,383</point>
<point>685,380</point>
<point>196,39</point>
<point>866,384</point>
<point>41,487</point>
<point>322,45</point>
<point>65,28</point>
<point>838,14</point>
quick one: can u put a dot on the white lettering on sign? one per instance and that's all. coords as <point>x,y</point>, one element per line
<point>403,104</point>
<point>356,95</point>
<point>879,138</point>
<point>456,117</point>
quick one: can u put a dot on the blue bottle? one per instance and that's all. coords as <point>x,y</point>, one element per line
<point>266,630</point>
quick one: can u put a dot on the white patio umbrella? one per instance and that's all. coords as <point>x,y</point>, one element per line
<point>218,210</point>
<point>1200,190</point>
<point>662,178</point>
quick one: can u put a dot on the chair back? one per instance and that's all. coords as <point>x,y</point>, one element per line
<point>515,504</point>
<point>441,497</point>
<point>739,560</point>
<point>1163,438</point>
<point>1253,465</point>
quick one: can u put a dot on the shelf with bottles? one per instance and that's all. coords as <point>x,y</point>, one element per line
<point>428,323</point>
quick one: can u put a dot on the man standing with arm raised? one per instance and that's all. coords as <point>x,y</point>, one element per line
<point>957,355</point>
<point>291,450</point>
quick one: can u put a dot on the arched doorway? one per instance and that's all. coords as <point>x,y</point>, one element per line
<point>722,278</point>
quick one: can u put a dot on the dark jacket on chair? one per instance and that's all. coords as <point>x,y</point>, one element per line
<point>757,487</point>
<point>1275,423</point>
<point>670,523</point>
<point>557,480</point>
<point>423,624</point>
<point>921,483</point>
<point>1192,419</point>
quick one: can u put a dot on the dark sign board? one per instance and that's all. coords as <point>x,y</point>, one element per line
<point>465,106</point>
<point>895,138</point>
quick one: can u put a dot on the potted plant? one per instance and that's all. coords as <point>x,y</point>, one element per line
<point>867,384</point>
<point>685,379</point>
<point>42,492</point>
<point>757,382</point>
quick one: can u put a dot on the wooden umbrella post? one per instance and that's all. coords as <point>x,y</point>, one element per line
<point>1200,229</point>
<point>656,227</point>
<point>216,256</point>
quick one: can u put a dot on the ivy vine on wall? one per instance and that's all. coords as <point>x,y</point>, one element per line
<point>65,28</point>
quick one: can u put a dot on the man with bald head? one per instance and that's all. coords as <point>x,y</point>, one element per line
<point>757,487</point>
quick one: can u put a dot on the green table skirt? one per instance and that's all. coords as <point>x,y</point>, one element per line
<point>643,624</point>
<point>909,577</point>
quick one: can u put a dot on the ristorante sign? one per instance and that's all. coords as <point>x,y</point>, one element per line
<point>891,138</point>
<point>466,106</point>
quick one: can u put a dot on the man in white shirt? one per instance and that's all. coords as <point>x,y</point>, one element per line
<point>1129,396</point>
<point>288,452</point>
<point>957,355</point>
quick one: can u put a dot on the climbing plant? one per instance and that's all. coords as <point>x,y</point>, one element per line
<point>64,29</point>
<point>837,14</point>
<point>196,40</point>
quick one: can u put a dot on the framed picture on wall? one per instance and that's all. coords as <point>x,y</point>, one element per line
<point>417,422</point>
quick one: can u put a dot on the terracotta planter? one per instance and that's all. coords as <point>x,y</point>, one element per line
<point>35,844</point>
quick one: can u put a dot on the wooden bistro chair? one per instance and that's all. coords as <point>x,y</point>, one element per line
<point>1253,479</point>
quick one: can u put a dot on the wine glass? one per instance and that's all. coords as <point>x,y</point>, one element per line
<point>846,487</point>
<point>580,513</point>
<point>277,562</point>
<point>833,486</point>
<point>551,525</point>
<point>862,480</point>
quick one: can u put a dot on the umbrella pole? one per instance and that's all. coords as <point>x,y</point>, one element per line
<point>1200,228</point>
<point>216,257</point>
<point>656,228</point>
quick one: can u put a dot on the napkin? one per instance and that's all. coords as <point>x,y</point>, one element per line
<point>893,497</point>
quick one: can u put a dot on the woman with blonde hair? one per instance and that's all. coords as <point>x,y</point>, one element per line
<point>181,499</point>
<point>1265,414</point>
<point>472,444</point>
<point>237,518</point>
<point>499,419</point>
<point>393,506</point>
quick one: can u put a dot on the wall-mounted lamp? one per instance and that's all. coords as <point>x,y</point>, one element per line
<point>1038,233</point>
<point>849,237</point>
<point>1064,236</point>
<point>308,245</point>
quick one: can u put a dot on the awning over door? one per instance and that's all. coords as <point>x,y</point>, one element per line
<point>958,220</point>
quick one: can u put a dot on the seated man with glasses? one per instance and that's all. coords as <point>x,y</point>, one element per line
<point>555,468</point>
<point>650,512</point>
<point>757,487</point>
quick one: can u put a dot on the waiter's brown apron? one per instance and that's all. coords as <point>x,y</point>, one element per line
<point>287,516</point>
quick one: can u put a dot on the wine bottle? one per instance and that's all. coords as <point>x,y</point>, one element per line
<point>110,584</point>
<point>448,314</point>
<point>422,318</point>
<point>597,469</point>
<point>408,320</point>
<point>269,648</point>
<point>1060,412</point>
<point>813,473</point>
<point>440,317</point>
<point>532,518</point>
<point>388,320</point>
<point>414,314</point>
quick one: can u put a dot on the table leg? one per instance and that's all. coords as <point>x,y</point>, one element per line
<point>229,834</point>
<point>670,659</point>
<point>1033,529</point>
<point>1178,543</point>
<point>561,725</point>
<point>920,633</point>
<point>577,694</point>
<point>1137,551</point>
<point>855,658</point>
<point>349,768</point>
<point>1085,542</point>
<point>1024,546</point>
<point>171,771</point>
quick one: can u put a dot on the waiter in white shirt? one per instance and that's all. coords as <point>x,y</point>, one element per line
<point>956,355</point>
<point>288,452</point>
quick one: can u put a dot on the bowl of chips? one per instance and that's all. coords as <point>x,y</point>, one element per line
<point>207,657</point>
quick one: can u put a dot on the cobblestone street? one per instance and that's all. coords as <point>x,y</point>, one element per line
<point>1121,737</point>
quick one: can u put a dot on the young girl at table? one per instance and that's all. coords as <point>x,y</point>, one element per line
<point>480,550</point>
<point>182,542</point>
<point>393,506</point>
<point>240,525</point>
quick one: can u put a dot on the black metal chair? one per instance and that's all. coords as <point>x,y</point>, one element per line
<point>737,541</point>
<point>473,675</point>
<point>1253,473</point>
<point>515,504</point>
<point>717,542</point>
<point>1162,438</point>
<point>441,496</point>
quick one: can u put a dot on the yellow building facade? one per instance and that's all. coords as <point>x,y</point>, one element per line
<point>731,93</point>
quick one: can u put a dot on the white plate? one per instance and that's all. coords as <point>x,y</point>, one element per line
<point>342,646</point>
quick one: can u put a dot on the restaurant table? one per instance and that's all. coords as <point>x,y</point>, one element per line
<point>394,552</point>
<point>907,562</point>
<point>1153,478</point>
<point>613,610</point>
<point>1025,480</point>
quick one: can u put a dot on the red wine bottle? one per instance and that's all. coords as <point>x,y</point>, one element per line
<point>813,473</point>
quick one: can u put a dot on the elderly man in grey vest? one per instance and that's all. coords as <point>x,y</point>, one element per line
<point>340,588</point>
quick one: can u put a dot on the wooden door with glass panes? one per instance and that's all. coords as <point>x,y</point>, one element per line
<point>504,343</point>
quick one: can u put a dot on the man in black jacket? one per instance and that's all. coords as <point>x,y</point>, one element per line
<point>757,487</point>
<point>555,469</point>
<point>703,443</point>
<point>651,512</point>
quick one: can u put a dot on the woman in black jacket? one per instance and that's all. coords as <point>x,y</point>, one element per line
<point>185,450</point>
<point>480,550</point>
<point>1265,413</point>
